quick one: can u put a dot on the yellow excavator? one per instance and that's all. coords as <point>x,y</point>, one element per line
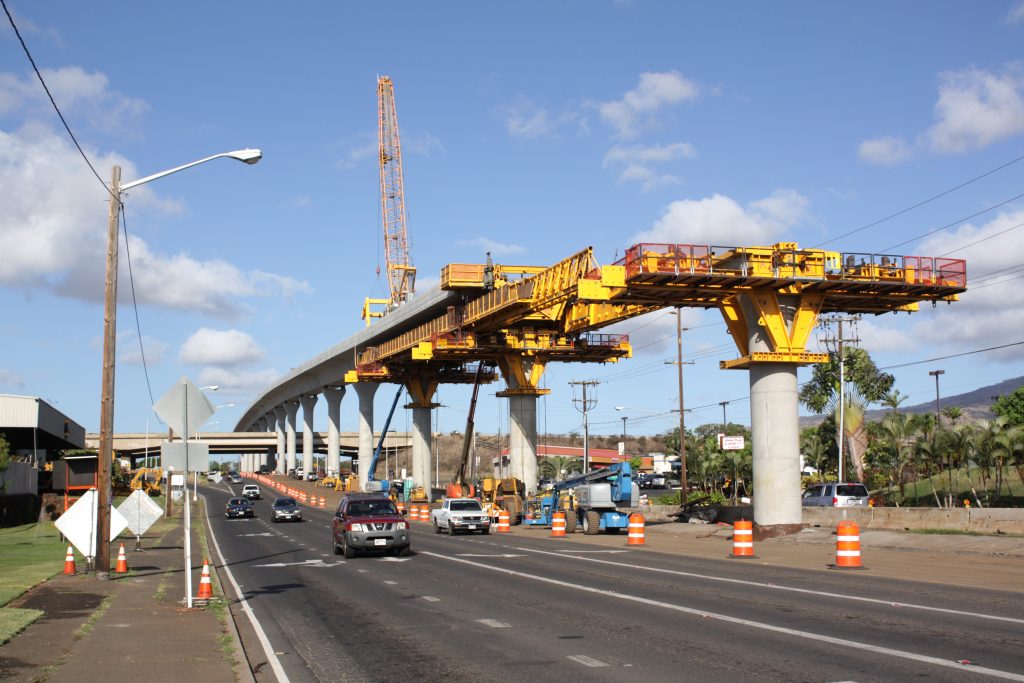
<point>147,479</point>
<point>503,494</point>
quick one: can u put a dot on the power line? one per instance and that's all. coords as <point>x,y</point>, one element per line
<point>953,355</point>
<point>921,203</point>
<point>135,306</point>
<point>52,101</point>
<point>950,225</point>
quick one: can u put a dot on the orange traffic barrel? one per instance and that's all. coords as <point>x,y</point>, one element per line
<point>558,524</point>
<point>323,502</point>
<point>414,513</point>
<point>503,522</point>
<point>424,513</point>
<point>743,539</point>
<point>636,529</point>
<point>847,546</point>
<point>401,507</point>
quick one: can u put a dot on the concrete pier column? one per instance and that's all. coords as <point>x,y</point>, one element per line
<point>279,412</point>
<point>292,409</point>
<point>775,436</point>
<point>365,392</point>
<point>523,439</point>
<point>422,443</point>
<point>267,456</point>
<point>261,424</point>
<point>334,396</point>
<point>308,403</point>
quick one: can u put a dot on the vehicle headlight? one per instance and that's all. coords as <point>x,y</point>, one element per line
<point>402,525</point>
<point>355,527</point>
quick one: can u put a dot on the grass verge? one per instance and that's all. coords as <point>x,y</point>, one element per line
<point>14,620</point>
<point>29,555</point>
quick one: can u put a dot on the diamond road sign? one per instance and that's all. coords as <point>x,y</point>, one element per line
<point>78,524</point>
<point>140,512</point>
<point>184,408</point>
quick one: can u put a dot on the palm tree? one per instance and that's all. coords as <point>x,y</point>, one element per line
<point>896,431</point>
<point>813,450</point>
<point>555,466</point>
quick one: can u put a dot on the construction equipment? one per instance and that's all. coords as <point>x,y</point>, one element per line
<point>374,485</point>
<point>593,500</point>
<point>459,488</point>
<point>503,494</point>
<point>398,261</point>
<point>146,479</point>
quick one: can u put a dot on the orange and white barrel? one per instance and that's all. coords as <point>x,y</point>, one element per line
<point>401,507</point>
<point>636,529</point>
<point>558,525</point>
<point>504,527</point>
<point>848,546</point>
<point>424,513</point>
<point>743,539</point>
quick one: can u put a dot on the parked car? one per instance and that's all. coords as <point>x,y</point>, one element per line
<point>238,507</point>
<point>369,522</point>
<point>285,508</point>
<point>300,473</point>
<point>251,491</point>
<point>312,476</point>
<point>835,494</point>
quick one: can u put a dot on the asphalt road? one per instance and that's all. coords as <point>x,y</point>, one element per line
<point>527,607</point>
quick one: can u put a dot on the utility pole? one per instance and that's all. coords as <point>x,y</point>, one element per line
<point>584,406</point>
<point>838,342</point>
<point>683,486</point>
<point>106,453</point>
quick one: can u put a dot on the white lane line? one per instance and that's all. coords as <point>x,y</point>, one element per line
<point>587,661</point>
<point>431,598</point>
<point>777,587</point>
<point>609,552</point>
<point>268,650</point>
<point>391,583</point>
<point>839,642</point>
<point>493,623</point>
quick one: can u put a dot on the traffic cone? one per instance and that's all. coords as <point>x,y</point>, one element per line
<point>69,561</point>
<point>205,585</point>
<point>122,562</point>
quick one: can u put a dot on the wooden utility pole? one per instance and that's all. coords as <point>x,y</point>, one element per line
<point>106,453</point>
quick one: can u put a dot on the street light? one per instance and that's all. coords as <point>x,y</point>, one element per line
<point>106,450</point>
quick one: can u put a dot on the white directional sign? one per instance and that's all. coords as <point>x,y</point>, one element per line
<point>730,443</point>
<point>78,524</point>
<point>184,408</point>
<point>176,454</point>
<point>140,512</point>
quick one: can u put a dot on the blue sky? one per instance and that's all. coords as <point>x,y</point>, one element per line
<point>529,129</point>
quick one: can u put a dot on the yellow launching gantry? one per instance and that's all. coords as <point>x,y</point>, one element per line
<point>523,317</point>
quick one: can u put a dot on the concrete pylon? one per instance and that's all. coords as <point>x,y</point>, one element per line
<point>279,412</point>
<point>292,410</point>
<point>522,439</point>
<point>308,403</point>
<point>422,444</point>
<point>334,396</point>
<point>365,392</point>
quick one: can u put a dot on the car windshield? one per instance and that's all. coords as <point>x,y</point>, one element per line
<point>238,501</point>
<point>465,505</point>
<point>284,502</point>
<point>368,508</point>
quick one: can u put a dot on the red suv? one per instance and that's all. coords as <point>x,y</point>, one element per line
<point>369,522</point>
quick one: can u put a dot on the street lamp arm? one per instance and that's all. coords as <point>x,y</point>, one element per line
<point>249,156</point>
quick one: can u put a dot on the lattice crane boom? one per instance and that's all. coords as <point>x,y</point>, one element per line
<point>398,259</point>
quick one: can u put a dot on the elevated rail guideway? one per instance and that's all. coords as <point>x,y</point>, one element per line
<point>520,318</point>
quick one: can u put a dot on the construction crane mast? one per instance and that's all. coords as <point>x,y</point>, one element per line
<point>401,273</point>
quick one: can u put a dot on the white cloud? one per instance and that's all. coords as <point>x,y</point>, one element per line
<point>637,107</point>
<point>85,96</point>
<point>49,239</point>
<point>524,119</point>
<point>976,108</point>
<point>220,347</point>
<point>367,146</point>
<point>128,350</point>
<point>637,162</point>
<point>1016,13</point>
<point>9,378</point>
<point>884,151</point>
<point>721,220</point>
<point>233,381</point>
<point>496,248</point>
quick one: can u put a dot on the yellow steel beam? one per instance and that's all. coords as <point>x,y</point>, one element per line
<point>522,373</point>
<point>421,390</point>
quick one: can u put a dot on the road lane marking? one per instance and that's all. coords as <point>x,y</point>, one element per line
<point>505,555</point>
<point>391,583</point>
<point>839,642</point>
<point>493,623</point>
<point>587,661</point>
<point>612,552</point>
<point>792,589</point>
<point>431,598</point>
<point>320,564</point>
<point>268,650</point>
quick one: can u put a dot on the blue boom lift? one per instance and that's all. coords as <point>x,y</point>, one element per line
<point>592,500</point>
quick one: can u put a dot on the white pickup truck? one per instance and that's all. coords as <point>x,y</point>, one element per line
<point>460,514</point>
